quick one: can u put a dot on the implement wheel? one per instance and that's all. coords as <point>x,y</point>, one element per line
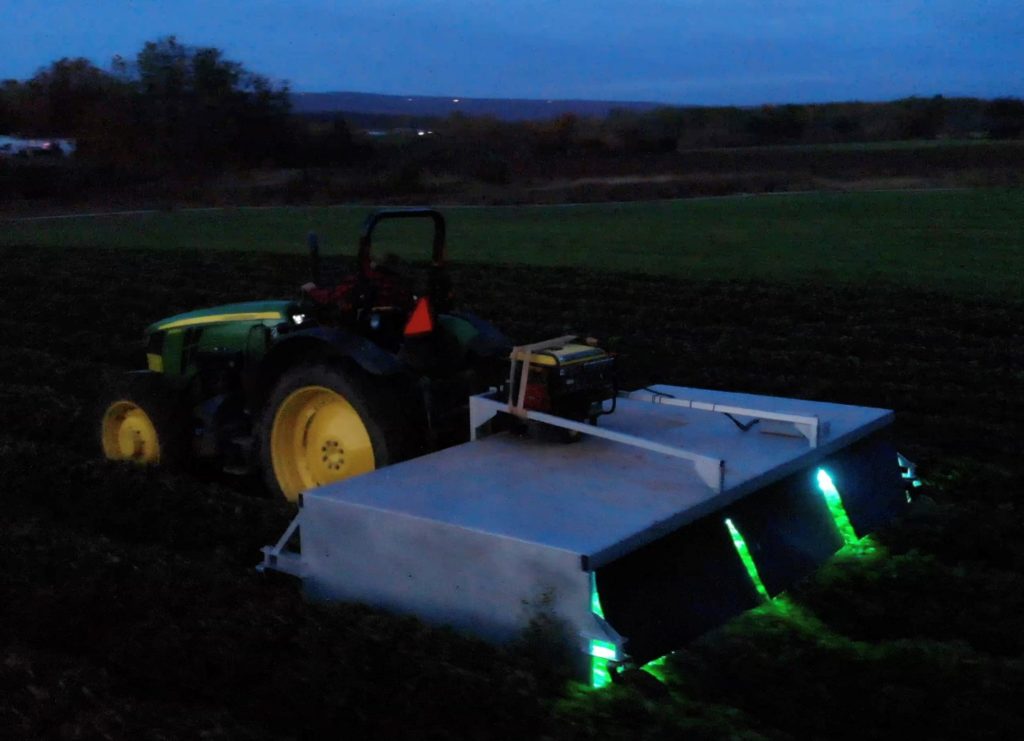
<point>323,424</point>
<point>140,423</point>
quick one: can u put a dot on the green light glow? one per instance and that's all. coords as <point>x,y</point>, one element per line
<point>746,558</point>
<point>656,668</point>
<point>603,650</point>
<point>595,598</point>
<point>599,674</point>
<point>835,506</point>
<point>601,653</point>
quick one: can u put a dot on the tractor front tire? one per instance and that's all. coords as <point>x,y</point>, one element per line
<point>325,423</point>
<point>141,422</point>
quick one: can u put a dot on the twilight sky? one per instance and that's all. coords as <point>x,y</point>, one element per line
<point>681,51</point>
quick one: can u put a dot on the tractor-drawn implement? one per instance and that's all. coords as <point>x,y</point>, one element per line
<point>442,472</point>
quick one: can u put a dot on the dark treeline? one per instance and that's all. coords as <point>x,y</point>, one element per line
<point>180,112</point>
<point>171,106</point>
<point>668,129</point>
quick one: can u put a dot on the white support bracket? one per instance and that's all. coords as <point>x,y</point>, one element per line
<point>276,558</point>
<point>482,410</point>
<point>779,423</point>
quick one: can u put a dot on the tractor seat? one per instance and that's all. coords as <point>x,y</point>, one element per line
<point>379,289</point>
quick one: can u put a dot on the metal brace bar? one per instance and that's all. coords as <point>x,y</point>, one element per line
<point>809,427</point>
<point>710,470</point>
<point>277,559</point>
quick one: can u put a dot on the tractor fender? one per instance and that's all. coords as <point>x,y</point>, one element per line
<point>319,344</point>
<point>489,340</point>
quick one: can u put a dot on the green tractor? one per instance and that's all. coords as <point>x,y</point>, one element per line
<point>357,373</point>
<point>353,375</point>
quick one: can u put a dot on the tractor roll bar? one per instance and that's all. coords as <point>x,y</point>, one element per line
<point>365,238</point>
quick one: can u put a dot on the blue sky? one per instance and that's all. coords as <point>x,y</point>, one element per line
<point>686,51</point>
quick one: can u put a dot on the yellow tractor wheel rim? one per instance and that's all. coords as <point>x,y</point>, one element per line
<point>317,437</point>
<point>129,434</point>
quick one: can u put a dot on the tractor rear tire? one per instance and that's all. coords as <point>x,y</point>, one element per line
<point>325,423</point>
<point>141,422</point>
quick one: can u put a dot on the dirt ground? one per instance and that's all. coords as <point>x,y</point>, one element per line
<point>129,607</point>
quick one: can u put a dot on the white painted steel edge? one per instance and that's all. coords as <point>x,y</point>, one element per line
<point>708,468</point>
<point>808,426</point>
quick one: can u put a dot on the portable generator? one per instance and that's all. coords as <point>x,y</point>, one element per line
<point>562,377</point>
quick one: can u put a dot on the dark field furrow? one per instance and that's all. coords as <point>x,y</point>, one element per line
<point>129,607</point>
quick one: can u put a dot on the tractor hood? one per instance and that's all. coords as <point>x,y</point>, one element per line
<point>171,342</point>
<point>248,311</point>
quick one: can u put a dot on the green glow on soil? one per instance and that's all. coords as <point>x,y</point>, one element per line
<point>835,506</point>
<point>746,558</point>
<point>656,668</point>
<point>603,653</point>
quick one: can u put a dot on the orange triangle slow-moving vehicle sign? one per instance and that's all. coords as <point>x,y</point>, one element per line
<point>420,322</point>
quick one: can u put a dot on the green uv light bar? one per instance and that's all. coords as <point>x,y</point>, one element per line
<point>835,506</point>
<point>745,556</point>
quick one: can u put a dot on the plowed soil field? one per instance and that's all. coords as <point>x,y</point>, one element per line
<point>129,607</point>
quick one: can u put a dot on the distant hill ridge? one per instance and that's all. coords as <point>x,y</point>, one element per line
<point>506,109</point>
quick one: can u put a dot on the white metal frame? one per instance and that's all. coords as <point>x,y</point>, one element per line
<point>484,407</point>
<point>276,558</point>
<point>807,426</point>
<point>711,470</point>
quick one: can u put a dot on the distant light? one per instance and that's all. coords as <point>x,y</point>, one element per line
<point>298,318</point>
<point>421,132</point>
<point>455,100</point>
<point>409,99</point>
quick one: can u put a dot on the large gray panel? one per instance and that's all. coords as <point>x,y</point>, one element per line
<point>447,575</point>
